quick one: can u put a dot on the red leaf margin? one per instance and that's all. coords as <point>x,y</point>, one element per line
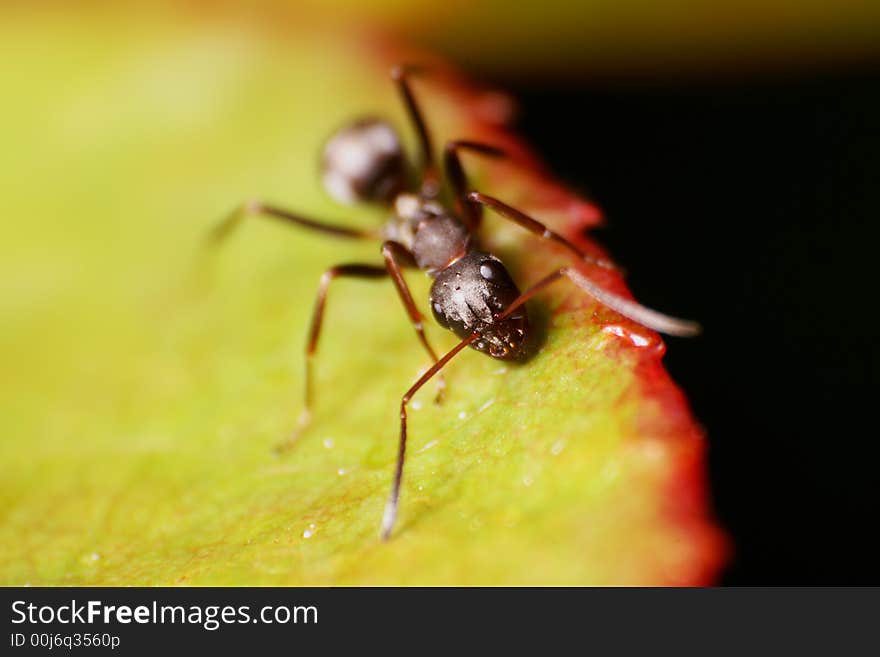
<point>488,115</point>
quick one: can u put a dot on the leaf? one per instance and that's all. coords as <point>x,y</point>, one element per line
<point>151,378</point>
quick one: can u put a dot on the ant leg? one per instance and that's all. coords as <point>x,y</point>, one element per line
<point>536,227</point>
<point>390,515</point>
<point>354,271</point>
<point>467,210</point>
<point>628,308</point>
<point>430,179</point>
<point>395,253</point>
<point>251,208</point>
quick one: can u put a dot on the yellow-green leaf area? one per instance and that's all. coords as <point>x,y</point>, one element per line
<point>147,378</point>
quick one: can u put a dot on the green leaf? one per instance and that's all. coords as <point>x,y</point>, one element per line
<point>148,378</point>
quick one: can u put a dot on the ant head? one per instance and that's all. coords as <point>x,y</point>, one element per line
<point>364,161</point>
<point>469,295</point>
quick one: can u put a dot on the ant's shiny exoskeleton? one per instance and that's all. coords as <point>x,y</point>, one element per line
<point>472,294</point>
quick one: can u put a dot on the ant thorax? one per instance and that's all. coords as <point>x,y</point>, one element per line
<point>435,238</point>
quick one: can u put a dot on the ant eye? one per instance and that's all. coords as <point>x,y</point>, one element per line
<point>488,270</point>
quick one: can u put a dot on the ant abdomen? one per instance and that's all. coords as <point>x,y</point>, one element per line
<point>364,161</point>
<point>470,294</point>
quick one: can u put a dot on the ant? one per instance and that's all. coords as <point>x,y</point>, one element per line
<point>472,294</point>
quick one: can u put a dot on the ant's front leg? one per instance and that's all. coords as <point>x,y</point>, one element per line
<point>392,252</point>
<point>536,228</point>
<point>396,255</point>
<point>255,208</point>
<point>350,270</point>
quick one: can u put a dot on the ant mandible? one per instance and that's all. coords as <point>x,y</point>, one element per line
<point>472,294</point>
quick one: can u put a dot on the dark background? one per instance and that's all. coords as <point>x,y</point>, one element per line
<point>751,205</point>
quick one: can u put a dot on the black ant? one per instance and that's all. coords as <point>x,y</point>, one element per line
<point>472,294</point>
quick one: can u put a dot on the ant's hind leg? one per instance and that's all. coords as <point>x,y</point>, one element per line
<point>427,166</point>
<point>470,212</point>
<point>353,271</point>
<point>255,208</point>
